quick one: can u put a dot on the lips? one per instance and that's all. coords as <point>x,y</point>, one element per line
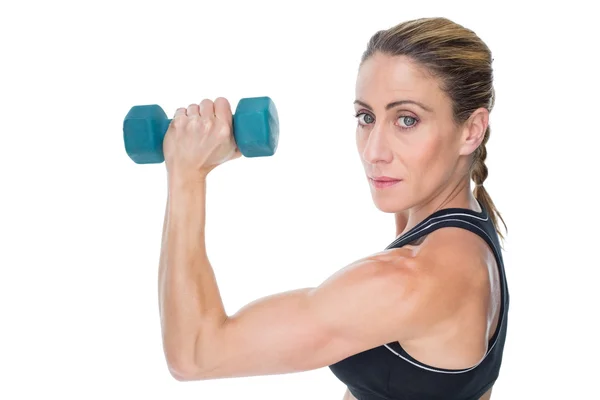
<point>384,179</point>
<point>382,182</point>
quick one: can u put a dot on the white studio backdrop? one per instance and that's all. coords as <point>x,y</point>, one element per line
<point>81,223</point>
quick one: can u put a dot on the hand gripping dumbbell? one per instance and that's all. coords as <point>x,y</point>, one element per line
<point>255,130</point>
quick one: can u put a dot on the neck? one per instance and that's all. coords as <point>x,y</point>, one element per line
<point>455,196</point>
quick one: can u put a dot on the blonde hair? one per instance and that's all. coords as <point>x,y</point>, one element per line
<point>463,64</point>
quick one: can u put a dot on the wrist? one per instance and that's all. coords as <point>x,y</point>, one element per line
<point>187,199</point>
<point>182,184</point>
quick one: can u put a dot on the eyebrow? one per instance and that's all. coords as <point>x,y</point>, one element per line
<point>394,104</point>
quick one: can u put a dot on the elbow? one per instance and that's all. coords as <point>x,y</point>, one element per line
<point>192,358</point>
<point>183,364</point>
<point>183,375</point>
<point>183,369</point>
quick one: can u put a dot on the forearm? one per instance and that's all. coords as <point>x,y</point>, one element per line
<point>190,301</point>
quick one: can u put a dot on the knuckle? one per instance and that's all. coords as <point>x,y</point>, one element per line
<point>223,132</point>
<point>206,124</point>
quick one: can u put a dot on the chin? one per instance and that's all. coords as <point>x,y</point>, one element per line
<point>390,204</point>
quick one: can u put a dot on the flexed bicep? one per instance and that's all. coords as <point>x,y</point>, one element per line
<point>356,309</point>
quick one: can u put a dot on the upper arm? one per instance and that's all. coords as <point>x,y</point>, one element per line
<point>388,297</point>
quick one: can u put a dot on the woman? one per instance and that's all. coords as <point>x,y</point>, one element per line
<point>425,318</point>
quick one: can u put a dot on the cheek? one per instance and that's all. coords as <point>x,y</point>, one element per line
<point>426,161</point>
<point>361,141</point>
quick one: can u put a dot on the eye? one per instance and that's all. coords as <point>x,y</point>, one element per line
<point>407,122</point>
<point>364,118</point>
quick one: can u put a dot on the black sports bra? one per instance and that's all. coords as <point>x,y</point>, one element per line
<point>388,372</point>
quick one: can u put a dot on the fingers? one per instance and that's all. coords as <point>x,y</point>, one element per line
<point>179,118</point>
<point>207,109</point>
<point>180,111</point>
<point>193,110</point>
<point>223,110</point>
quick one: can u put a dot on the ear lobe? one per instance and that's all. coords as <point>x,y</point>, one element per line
<point>474,131</point>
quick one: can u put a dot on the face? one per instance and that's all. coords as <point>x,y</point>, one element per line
<point>409,145</point>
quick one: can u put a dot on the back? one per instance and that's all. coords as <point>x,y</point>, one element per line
<point>388,372</point>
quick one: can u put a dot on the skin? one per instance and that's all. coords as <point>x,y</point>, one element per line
<point>439,297</point>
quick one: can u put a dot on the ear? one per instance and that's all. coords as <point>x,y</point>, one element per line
<point>474,131</point>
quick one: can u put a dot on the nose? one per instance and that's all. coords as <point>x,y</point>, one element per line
<point>377,149</point>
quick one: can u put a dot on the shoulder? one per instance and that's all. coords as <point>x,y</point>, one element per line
<point>445,251</point>
<point>445,276</point>
<point>455,251</point>
<point>454,259</point>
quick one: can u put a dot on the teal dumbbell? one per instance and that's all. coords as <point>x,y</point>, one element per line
<point>255,129</point>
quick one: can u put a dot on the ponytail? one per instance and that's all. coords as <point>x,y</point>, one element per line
<point>479,173</point>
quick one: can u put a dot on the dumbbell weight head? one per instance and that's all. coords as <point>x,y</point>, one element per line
<point>255,130</point>
<point>256,127</point>
<point>144,129</point>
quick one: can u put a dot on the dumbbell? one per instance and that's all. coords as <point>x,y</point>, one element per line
<point>255,130</point>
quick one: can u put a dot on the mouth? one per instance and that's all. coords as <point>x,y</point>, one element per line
<point>382,182</point>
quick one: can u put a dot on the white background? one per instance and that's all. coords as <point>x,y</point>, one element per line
<point>81,223</point>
